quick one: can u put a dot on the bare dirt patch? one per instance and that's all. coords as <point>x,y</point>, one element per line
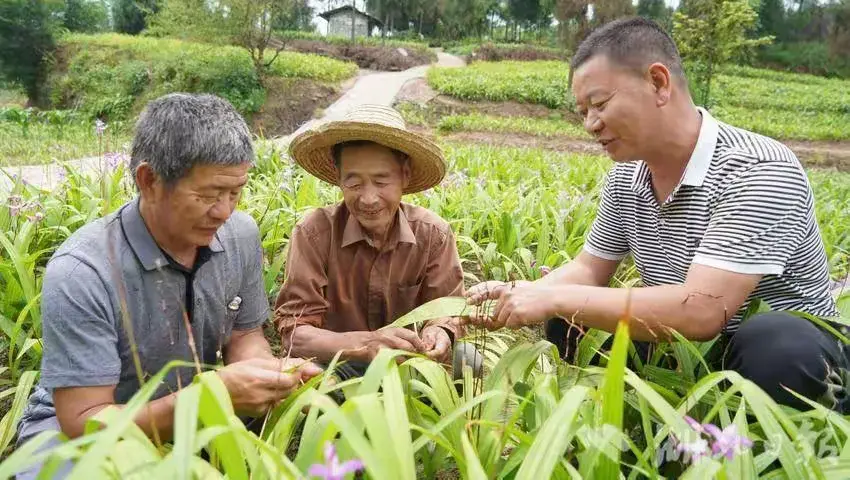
<point>826,155</point>
<point>374,57</point>
<point>290,102</point>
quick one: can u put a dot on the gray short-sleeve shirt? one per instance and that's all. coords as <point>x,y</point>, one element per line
<point>110,282</point>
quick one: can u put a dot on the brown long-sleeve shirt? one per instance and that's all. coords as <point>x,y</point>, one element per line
<point>338,281</point>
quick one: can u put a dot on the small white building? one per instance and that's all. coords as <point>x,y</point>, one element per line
<point>339,22</point>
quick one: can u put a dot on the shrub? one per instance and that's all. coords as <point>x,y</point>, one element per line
<point>804,57</point>
<point>496,52</point>
<point>539,82</point>
<point>113,75</point>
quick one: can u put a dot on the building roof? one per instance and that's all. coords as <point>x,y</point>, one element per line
<point>330,13</point>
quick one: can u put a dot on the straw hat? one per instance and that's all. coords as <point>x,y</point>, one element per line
<point>313,149</point>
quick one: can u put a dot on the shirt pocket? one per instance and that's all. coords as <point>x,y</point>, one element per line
<point>404,300</point>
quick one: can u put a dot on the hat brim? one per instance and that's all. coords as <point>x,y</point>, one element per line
<point>313,151</point>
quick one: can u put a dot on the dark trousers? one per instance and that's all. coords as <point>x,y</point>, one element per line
<point>770,349</point>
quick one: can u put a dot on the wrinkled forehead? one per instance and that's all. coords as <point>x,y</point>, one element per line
<point>221,177</point>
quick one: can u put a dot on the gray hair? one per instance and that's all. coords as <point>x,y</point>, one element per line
<point>178,131</point>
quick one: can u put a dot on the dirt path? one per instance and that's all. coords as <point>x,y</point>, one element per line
<point>380,88</point>
<point>812,154</point>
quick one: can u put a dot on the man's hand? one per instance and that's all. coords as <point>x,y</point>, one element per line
<point>257,384</point>
<point>525,304</point>
<point>438,344</point>
<point>490,290</point>
<point>395,338</point>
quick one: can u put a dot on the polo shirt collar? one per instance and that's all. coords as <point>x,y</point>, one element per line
<point>354,233</point>
<point>700,160</point>
<point>142,242</point>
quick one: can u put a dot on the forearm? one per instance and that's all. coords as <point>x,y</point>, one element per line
<point>307,341</point>
<point>156,415</point>
<point>583,270</point>
<point>653,310</point>
<point>248,344</point>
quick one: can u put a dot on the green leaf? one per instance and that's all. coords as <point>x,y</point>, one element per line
<point>554,437</point>
<point>612,395</point>
<point>440,308</point>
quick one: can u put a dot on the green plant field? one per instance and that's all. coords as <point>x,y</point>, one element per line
<point>531,417</point>
<point>546,127</point>
<point>780,104</point>
<point>51,136</point>
<point>530,82</point>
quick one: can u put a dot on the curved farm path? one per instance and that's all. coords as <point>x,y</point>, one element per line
<point>379,88</point>
<point>370,87</point>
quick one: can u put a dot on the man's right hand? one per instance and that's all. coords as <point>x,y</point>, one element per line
<point>258,384</point>
<point>395,338</point>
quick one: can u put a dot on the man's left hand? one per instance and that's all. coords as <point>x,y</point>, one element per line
<point>524,305</point>
<point>438,344</point>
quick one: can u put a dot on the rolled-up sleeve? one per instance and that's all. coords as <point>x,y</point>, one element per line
<point>78,327</point>
<point>302,300</point>
<point>443,277</point>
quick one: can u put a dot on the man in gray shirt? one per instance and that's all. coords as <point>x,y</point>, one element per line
<point>175,274</point>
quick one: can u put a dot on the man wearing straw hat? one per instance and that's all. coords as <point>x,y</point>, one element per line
<point>356,266</point>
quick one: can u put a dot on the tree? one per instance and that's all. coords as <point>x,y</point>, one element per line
<point>245,23</point>
<point>85,16</point>
<point>656,10</point>
<point>715,31</point>
<point>297,17</point>
<point>771,16</point>
<point>130,16</point>
<point>839,35</point>
<point>27,35</point>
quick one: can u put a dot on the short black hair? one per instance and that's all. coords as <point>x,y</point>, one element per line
<point>633,43</point>
<point>336,152</point>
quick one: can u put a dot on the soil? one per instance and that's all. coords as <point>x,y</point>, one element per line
<point>375,57</point>
<point>290,102</point>
<point>824,155</point>
<point>814,154</point>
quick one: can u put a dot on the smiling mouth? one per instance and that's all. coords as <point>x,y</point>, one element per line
<point>367,213</point>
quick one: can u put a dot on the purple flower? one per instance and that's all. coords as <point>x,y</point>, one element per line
<point>694,424</point>
<point>693,450</point>
<point>99,127</point>
<point>727,442</point>
<point>37,217</point>
<point>332,470</point>
<point>16,203</point>
<point>544,270</point>
<point>114,159</point>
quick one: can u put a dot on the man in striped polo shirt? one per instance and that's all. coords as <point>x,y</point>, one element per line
<point>713,216</point>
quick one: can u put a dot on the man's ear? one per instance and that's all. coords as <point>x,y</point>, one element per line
<point>146,179</point>
<point>405,172</point>
<point>662,82</point>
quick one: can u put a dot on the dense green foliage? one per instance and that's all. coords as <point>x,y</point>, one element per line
<point>114,75</point>
<point>781,104</point>
<point>530,82</point>
<point>531,417</point>
<point>26,36</point>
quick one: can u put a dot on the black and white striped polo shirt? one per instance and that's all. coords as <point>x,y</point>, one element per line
<point>744,204</point>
